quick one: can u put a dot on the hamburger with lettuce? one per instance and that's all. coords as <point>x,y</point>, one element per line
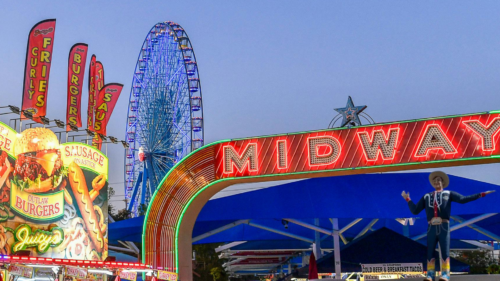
<point>38,167</point>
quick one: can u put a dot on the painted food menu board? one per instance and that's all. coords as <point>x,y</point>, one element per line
<point>53,197</point>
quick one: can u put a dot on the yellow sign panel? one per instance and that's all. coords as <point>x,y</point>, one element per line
<point>39,207</point>
<point>21,270</point>
<point>128,275</point>
<point>7,138</point>
<point>77,272</point>
<point>166,275</point>
<point>85,156</point>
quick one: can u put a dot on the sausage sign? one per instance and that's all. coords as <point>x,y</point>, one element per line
<point>407,145</point>
<point>53,198</point>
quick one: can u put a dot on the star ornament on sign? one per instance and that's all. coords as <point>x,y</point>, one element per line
<point>350,113</point>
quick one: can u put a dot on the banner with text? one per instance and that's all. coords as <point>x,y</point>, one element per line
<point>92,94</point>
<point>37,68</point>
<point>392,268</point>
<point>21,270</point>
<point>128,275</point>
<point>99,83</point>
<point>167,275</point>
<point>76,72</point>
<point>108,97</point>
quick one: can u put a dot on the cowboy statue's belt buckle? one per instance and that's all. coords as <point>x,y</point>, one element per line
<point>436,221</point>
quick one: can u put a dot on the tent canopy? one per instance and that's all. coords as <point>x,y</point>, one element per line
<point>369,197</point>
<point>396,249</point>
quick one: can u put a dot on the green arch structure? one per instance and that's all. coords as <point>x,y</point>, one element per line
<point>175,205</point>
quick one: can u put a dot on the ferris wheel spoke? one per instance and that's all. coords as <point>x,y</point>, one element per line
<point>163,166</point>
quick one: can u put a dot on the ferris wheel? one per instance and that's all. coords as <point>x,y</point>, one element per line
<point>165,113</point>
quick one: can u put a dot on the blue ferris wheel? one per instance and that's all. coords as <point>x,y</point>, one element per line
<point>165,114</point>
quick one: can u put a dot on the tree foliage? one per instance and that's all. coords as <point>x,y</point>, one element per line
<point>207,266</point>
<point>479,260</point>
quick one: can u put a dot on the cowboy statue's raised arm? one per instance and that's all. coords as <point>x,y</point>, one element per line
<point>459,198</point>
<point>437,206</point>
<point>414,209</point>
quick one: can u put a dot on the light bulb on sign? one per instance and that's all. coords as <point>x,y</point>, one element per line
<point>35,140</point>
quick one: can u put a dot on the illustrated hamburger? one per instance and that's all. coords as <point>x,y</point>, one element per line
<point>38,167</point>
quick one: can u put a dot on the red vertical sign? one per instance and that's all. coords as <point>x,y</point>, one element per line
<point>90,108</point>
<point>108,97</point>
<point>98,84</point>
<point>37,68</point>
<point>76,72</point>
<point>99,78</point>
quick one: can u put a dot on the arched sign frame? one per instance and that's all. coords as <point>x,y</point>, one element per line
<point>406,145</point>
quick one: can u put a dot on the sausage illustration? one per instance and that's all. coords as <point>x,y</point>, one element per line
<point>81,192</point>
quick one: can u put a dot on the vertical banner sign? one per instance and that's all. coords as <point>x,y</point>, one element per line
<point>76,72</point>
<point>99,78</point>
<point>90,108</point>
<point>37,68</point>
<point>108,97</point>
<point>98,84</point>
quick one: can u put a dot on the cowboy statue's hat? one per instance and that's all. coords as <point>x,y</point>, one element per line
<point>444,176</point>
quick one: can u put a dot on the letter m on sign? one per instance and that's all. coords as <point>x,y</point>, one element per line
<point>245,159</point>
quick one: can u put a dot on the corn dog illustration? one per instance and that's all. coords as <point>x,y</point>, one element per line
<point>82,198</point>
<point>97,184</point>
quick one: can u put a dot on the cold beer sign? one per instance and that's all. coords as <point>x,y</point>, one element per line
<point>447,139</point>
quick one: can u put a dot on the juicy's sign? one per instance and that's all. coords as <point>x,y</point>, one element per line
<point>53,198</point>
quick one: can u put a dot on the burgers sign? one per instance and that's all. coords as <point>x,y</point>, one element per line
<point>38,174</point>
<point>58,191</point>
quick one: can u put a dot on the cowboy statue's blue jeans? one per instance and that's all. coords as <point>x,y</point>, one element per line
<point>441,234</point>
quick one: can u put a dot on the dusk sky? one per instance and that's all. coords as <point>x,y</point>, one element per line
<point>270,67</point>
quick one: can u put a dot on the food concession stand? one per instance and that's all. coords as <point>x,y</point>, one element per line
<point>24,268</point>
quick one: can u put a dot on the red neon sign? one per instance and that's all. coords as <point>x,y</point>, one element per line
<point>487,133</point>
<point>360,146</point>
<point>323,150</point>
<point>433,138</point>
<point>246,160</point>
<point>391,138</point>
<point>281,154</point>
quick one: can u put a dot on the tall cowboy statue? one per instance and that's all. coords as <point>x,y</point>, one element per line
<point>437,205</point>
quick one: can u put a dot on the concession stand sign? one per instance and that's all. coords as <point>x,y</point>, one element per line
<point>128,275</point>
<point>53,197</point>
<point>166,275</point>
<point>392,268</point>
<point>77,272</point>
<point>21,270</point>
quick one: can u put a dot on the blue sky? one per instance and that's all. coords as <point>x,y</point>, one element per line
<point>271,67</point>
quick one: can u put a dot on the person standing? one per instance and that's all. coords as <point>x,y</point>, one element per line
<point>437,205</point>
